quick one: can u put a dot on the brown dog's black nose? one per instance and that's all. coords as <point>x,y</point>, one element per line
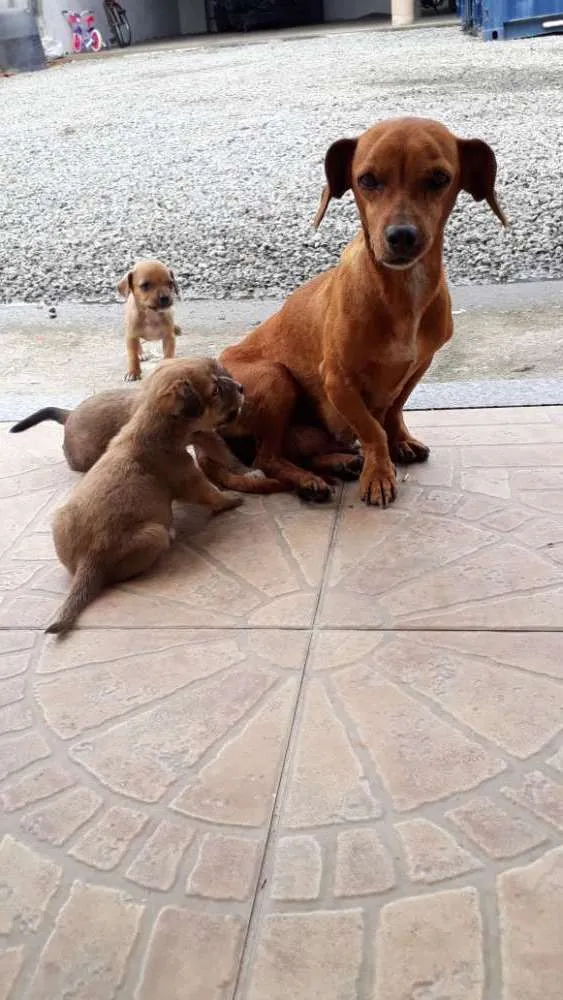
<point>164,301</point>
<point>402,240</point>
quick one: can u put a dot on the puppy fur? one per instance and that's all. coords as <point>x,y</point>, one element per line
<point>89,428</point>
<point>118,520</point>
<point>149,289</point>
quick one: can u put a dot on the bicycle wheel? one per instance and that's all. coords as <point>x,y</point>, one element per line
<point>77,42</point>
<point>96,40</point>
<point>119,24</point>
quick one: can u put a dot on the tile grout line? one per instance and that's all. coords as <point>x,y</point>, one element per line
<point>270,833</point>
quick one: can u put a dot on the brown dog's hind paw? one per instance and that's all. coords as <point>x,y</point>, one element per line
<point>408,451</point>
<point>131,377</point>
<point>343,466</point>
<point>315,490</point>
<point>351,470</point>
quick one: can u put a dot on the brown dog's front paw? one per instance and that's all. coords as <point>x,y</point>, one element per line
<point>378,485</point>
<point>315,490</point>
<point>408,450</point>
<point>131,377</point>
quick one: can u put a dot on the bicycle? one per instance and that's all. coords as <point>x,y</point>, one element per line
<point>85,35</point>
<point>118,22</point>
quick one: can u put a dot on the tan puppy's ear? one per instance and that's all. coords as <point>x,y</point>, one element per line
<point>338,162</point>
<point>181,400</point>
<point>126,284</point>
<point>478,173</point>
<point>174,283</point>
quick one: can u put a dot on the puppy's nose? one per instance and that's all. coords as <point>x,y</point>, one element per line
<point>402,240</point>
<point>164,301</point>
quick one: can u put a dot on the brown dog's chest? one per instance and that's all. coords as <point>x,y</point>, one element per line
<point>381,385</point>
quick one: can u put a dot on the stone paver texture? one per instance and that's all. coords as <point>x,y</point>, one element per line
<point>316,754</point>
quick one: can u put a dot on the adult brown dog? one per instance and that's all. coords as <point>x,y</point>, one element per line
<point>347,349</point>
<point>149,289</point>
<point>118,519</point>
<point>89,428</point>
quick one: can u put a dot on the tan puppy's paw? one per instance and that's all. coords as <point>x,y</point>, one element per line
<point>378,484</point>
<point>226,501</point>
<point>132,377</point>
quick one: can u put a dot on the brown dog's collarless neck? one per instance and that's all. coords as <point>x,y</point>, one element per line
<point>394,302</point>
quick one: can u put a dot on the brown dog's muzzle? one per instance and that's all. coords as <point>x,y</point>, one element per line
<point>403,244</point>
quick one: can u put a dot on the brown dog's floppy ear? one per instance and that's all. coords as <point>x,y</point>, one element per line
<point>174,283</point>
<point>126,284</point>
<point>478,173</point>
<point>338,161</point>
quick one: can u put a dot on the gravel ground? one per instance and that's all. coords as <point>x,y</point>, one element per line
<point>211,158</point>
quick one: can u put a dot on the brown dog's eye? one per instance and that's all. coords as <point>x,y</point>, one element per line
<point>370,182</point>
<point>437,180</point>
<point>144,286</point>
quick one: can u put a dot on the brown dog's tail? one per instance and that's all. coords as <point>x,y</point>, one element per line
<point>86,585</point>
<point>48,413</point>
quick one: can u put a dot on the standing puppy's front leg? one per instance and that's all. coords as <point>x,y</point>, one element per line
<point>133,347</point>
<point>378,481</point>
<point>169,345</point>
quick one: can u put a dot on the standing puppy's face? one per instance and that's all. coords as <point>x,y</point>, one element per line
<point>152,284</point>
<point>405,175</point>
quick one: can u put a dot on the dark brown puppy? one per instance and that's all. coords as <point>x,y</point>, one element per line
<point>347,349</point>
<point>89,428</point>
<point>118,520</point>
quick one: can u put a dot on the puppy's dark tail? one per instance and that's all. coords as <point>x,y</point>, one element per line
<point>86,585</point>
<point>48,413</point>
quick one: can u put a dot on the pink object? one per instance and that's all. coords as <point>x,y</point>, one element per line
<point>85,35</point>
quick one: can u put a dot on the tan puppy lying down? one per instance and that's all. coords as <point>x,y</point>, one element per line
<point>118,520</point>
<point>89,429</point>
<point>149,288</point>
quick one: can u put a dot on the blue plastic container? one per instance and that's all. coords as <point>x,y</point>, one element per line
<point>494,19</point>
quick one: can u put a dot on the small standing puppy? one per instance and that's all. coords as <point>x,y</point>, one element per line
<point>118,520</point>
<point>149,288</point>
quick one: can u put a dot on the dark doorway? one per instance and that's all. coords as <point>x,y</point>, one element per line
<point>249,15</point>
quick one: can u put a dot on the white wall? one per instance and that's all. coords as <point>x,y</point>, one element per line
<point>348,10</point>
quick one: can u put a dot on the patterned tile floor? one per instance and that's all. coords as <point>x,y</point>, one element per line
<point>315,756</point>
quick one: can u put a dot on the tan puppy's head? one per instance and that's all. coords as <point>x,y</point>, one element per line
<point>406,174</point>
<point>151,283</point>
<point>197,390</point>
